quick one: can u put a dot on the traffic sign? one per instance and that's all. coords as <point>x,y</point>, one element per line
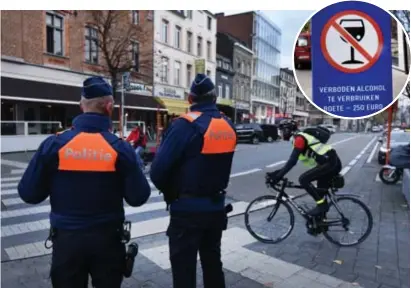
<point>351,61</point>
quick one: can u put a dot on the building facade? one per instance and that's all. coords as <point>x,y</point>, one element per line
<point>264,39</point>
<point>224,85</point>
<point>243,84</point>
<point>184,44</point>
<point>46,56</point>
<point>301,108</point>
<point>288,91</point>
<point>242,58</point>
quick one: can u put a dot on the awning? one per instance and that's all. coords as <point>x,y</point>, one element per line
<point>26,90</point>
<point>174,106</point>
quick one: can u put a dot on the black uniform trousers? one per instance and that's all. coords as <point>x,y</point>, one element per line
<point>96,251</point>
<point>322,173</point>
<point>192,233</point>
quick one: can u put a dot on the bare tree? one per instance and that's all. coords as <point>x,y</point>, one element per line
<point>404,17</point>
<point>115,42</point>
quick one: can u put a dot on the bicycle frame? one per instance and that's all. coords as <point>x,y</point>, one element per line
<point>303,212</point>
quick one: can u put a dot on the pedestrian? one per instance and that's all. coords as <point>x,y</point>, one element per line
<point>192,168</point>
<point>138,141</point>
<point>86,171</point>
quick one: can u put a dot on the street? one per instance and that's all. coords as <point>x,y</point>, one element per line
<point>382,261</point>
<point>305,80</point>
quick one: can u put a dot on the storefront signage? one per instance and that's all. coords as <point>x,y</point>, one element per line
<point>222,101</point>
<point>242,105</point>
<point>200,66</point>
<point>169,92</point>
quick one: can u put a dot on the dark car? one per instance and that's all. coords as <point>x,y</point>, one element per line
<point>398,138</point>
<point>251,133</point>
<point>270,132</point>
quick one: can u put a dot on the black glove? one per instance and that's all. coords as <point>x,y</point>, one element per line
<point>272,178</point>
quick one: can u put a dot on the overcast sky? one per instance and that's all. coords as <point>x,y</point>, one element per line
<point>290,21</point>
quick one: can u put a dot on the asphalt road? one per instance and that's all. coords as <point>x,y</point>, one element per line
<point>381,261</point>
<point>304,78</point>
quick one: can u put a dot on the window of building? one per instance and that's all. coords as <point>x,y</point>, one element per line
<point>54,31</point>
<point>242,92</point>
<point>135,50</point>
<point>242,67</point>
<point>91,45</point>
<point>227,91</point>
<point>220,91</point>
<point>208,73</point>
<point>189,42</point>
<point>189,73</point>
<point>226,65</point>
<point>208,50</point>
<point>164,70</point>
<point>164,31</point>
<point>135,16</point>
<point>219,63</point>
<point>199,46</point>
<point>190,14</point>
<point>209,22</point>
<point>177,37</point>
<point>177,72</point>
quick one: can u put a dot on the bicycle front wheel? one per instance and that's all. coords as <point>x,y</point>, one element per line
<point>275,214</point>
<point>357,222</point>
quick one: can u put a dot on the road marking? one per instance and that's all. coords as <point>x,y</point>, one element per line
<point>245,172</point>
<point>352,163</point>
<point>276,164</point>
<point>138,229</point>
<point>345,140</point>
<point>347,168</point>
<point>9,192</point>
<point>9,179</point>
<point>16,164</point>
<point>373,152</point>
<point>17,171</point>
<point>9,185</point>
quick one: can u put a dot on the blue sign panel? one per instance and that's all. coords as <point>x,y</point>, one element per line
<point>351,59</point>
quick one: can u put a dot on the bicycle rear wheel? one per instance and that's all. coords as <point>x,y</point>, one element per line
<point>335,220</point>
<point>263,210</point>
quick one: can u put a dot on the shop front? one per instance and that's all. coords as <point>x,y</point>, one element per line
<point>262,113</point>
<point>226,107</point>
<point>32,106</point>
<point>172,98</point>
<point>242,111</point>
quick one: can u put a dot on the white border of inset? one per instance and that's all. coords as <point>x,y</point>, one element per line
<point>341,117</point>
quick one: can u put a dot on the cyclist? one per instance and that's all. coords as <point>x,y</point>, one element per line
<point>310,147</point>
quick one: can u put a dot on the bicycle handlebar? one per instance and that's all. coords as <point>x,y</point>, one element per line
<point>284,183</point>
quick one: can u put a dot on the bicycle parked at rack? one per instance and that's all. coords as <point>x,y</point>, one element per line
<point>315,225</point>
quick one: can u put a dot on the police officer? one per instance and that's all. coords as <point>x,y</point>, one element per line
<point>311,149</point>
<point>192,168</point>
<point>86,171</point>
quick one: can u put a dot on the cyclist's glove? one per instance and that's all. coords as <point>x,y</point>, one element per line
<point>271,178</point>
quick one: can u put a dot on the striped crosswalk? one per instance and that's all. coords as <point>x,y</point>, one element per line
<point>25,227</point>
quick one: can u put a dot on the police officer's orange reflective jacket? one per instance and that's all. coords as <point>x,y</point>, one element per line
<point>195,158</point>
<point>87,172</point>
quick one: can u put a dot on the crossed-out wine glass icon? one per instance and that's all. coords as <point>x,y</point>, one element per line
<point>357,30</point>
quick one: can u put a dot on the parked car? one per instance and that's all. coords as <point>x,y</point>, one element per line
<point>270,132</point>
<point>302,51</point>
<point>398,138</point>
<point>375,129</point>
<point>330,127</point>
<point>251,133</point>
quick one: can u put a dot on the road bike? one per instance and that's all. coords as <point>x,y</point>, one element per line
<point>315,225</point>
